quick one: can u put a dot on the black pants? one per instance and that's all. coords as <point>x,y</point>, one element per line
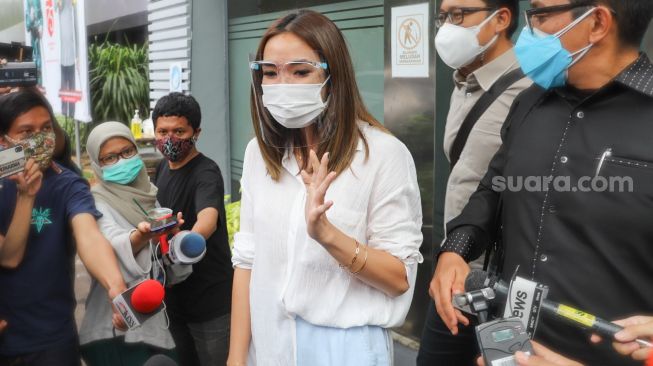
<point>201,344</point>
<point>441,348</point>
<point>60,355</point>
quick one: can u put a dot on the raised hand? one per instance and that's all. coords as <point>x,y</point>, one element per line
<point>317,183</point>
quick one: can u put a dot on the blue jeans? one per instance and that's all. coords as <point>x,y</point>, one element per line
<point>202,344</point>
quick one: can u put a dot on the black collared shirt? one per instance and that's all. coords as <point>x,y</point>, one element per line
<point>593,249</point>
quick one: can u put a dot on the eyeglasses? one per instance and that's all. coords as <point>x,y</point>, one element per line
<point>293,71</point>
<point>536,16</point>
<point>456,16</point>
<point>126,153</point>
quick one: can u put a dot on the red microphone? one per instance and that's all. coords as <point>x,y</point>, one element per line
<point>147,296</point>
<point>140,302</point>
<point>650,359</point>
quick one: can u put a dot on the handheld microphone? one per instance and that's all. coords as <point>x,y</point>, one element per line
<point>475,302</point>
<point>140,302</point>
<point>559,311</point>
<point>186,247</point>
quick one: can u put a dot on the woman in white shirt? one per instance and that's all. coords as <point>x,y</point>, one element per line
<point>328,248</point>
<point>122,179</point>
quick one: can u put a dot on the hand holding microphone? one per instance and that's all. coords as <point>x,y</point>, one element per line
<point>542,357</point>
<point>116,318</point>
<point>634,339</point>
<point>448,280</point>
<point>186,247</point>
<point>478,280</point>
<point>545,357</point>
<point>140,302</point>
<point>632,336</point>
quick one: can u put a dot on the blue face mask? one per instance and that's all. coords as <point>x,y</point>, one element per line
<point>542,57</point>
<point>124,171</point>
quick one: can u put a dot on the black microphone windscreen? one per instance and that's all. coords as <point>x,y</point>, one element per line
<point>475,280</point>
<point>160,360</point>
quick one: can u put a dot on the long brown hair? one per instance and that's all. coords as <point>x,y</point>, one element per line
<point>337,130</point>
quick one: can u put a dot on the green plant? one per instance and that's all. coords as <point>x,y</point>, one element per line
<point>68,126</point>
<point>233,218</point>
<point>118,80</point>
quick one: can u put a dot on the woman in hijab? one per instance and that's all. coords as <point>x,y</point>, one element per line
<point>122,181</point>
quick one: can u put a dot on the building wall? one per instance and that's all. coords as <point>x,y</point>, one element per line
<point>210,80</point>
<point>12,21</point>
<point>103,16</point>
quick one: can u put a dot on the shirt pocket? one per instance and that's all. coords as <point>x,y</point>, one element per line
<point>627,175</point>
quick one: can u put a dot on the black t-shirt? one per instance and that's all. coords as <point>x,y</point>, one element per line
<point>206,293</point>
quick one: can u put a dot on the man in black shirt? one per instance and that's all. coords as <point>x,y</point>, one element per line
<point>191,183</point>
<point>579,221</point>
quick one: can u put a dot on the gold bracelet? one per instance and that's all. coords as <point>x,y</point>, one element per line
<point>364,263</point>
<point>356,252</point>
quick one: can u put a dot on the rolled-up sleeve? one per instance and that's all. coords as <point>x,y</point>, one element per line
<point>244,244</point>
<point>395,214</point>
<point>132,266</point>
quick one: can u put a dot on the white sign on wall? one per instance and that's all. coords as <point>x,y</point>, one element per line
<point>410,41</point>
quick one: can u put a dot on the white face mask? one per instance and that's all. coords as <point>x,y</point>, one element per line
<point>458,46</point>
<point>294,105</point>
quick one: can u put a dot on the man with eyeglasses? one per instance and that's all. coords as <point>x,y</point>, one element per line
<point>589,117</point>
<point>473,38</point>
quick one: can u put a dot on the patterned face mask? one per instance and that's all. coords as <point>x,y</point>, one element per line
<point>39,146</point>
<point>174,148</point>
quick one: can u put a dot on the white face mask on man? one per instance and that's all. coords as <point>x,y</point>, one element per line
<point>294,105</point>
<point>458,46</point>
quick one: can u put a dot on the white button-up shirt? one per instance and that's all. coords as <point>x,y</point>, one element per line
<point>376,201</point>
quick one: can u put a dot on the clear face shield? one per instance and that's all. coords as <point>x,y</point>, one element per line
<point>288,97</point>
